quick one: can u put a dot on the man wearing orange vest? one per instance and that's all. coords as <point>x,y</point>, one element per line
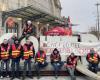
<point>93,60</point>
<point>28,54</point>
<point>5,57</point>
<point>40,61</point>
<point>16,50</point>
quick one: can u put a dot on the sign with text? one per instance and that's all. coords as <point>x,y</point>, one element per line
<point>65,47</point>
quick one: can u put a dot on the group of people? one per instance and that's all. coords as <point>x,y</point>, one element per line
<point>14,53</point>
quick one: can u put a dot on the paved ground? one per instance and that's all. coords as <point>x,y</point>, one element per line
<point>52,78</point>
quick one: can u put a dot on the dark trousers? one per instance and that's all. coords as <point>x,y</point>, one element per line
<point>57,66</point>
<point>93,67</point>
<point>25,36</point>
<point>15,67</point>
<point>27,65</point>
<point>5,67</point>
<point>40,66</point>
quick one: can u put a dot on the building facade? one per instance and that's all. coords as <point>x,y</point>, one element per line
<point>52,7</point>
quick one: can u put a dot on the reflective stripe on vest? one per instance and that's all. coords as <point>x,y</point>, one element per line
<point>4,53</point>
<point>94,58</point>
<point>15,51</point>
<point>27,53</point>
<point>40,58</point>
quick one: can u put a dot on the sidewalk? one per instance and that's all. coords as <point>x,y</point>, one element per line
<point>53,78</point>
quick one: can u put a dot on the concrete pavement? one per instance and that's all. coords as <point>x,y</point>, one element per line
<point>53,78</point>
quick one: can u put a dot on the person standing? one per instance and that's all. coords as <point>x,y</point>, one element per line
<point>40,61</point>
<point>29,53</point>
<point>12,39</point>
<point>28,30</point>
<point>5,57</point>
<point>71,65</point>
<point>16,53</point>
<point>56,61</point>
<point>93,59</point>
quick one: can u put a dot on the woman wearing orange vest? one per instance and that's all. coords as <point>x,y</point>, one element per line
<point>70,65</point>
<point>93,60</point>
<point>16,50</point>
<point>40,61</point>
<point>5,57</point>
<point>28,54</point>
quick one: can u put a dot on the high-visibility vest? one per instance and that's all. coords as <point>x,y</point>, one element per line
<point>40,58</point>
<point>4,53</point>
<point>71,61</point>
<point>15,51</point>
<point>94,58</point>
<point>27,53</point>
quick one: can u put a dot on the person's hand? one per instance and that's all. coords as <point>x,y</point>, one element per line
<point>58,64</point>
<point>55,60</point>
<point>36,63</point>
<point>42,62</point>
<point>65,64</point>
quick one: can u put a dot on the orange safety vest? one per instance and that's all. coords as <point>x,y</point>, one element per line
<point>40,58</point>
<point>27,53</point>
<point>93,59</point>
<point>72,62</point>
<point>15,51</point>
<point>4,53</point>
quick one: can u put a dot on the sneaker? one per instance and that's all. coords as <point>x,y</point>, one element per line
<point>56,76</point>
<point>1,77</point>
<point>30,77</point>
<point>12,78</point>
<point>7,76</point>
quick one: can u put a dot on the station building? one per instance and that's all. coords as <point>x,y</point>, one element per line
<point>44,14</point>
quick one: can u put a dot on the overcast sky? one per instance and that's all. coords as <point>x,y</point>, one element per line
<point>82,12</point>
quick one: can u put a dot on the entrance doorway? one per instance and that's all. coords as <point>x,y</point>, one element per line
<point>13,29</point>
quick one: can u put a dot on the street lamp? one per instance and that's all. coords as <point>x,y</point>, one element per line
<point>97,5</point>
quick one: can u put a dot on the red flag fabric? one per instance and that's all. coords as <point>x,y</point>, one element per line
<point>59,31</point>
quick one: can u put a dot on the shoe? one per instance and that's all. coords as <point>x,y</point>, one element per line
<point>18,77</point>
<point>7,76</point>
<point>56,76</point>
<point>38,77</point>
<point>12,78</point>
<point>30,77</point>
<point>1,77</point>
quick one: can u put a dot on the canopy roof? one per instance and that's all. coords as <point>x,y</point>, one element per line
<point>34,14</point>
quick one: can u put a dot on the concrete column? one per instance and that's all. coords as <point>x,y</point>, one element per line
<point>19,28</point>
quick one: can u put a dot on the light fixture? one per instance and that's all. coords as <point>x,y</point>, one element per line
<point>3,7</point>
<point>47,24</point>
<point>19,19</point>
<point>38,22</point>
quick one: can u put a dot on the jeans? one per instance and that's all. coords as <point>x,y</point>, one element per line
<point>5,67</point>
<point>15,66</point>
<point>39,66</point>
<point>93,67</point>
<point>57,66</point>
<point>71,72</point>
<point>27,65</point>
